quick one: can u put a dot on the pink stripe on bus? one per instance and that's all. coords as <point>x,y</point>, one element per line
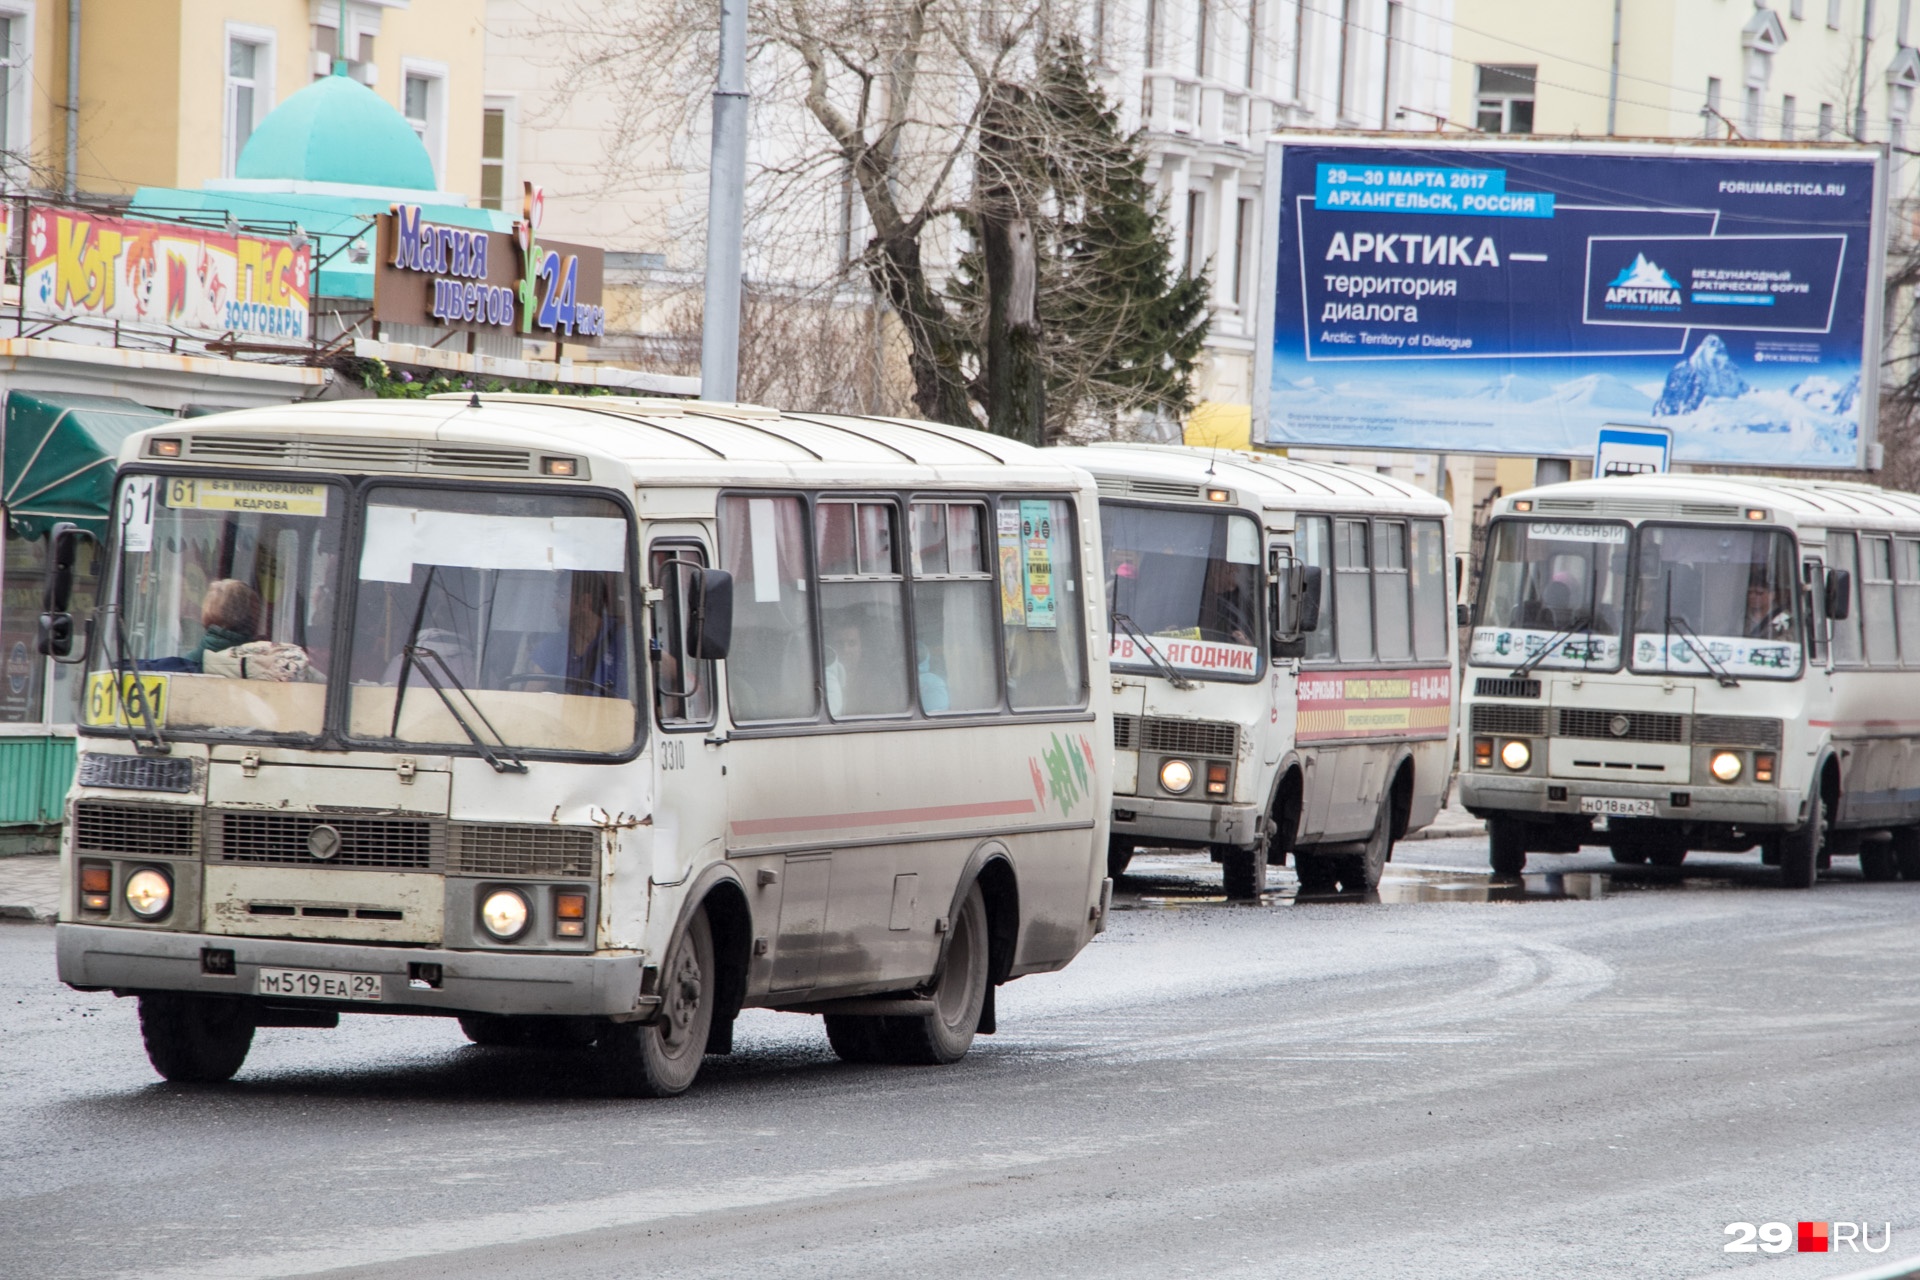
<point>879,817</point>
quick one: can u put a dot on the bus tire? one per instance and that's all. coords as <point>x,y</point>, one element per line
<point>958,995</point>
<point>1629,854</point>
<point>1244,872</point>
<point>1906,852</point>
<point>193,1039</point>
<point>1119,854</point>
<point>856,1038</point>
<point>661,1058</point>
<point>1800,848</point>
<point>1877,862</point>
<point>492,1030</point>
<point>1317,873</point>
<point>1506,845</point>
<point>1363,870</point>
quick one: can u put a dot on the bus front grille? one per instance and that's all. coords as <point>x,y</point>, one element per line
<point>1505,687</point>
<point>500,850</point>
<point>1518,722</point>
<point>287,839</point>
<point>1176,737</point>
<point>1622,726</point>
<point>1736,731</point>
<point>136,830</point>
<point>136,773</point>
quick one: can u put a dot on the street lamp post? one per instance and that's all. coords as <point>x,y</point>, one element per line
<point>726,200</point>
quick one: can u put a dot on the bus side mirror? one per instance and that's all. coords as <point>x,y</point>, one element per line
<point>1309,598</point>
<point>1839,594</point>
<point>1462,614</point>
<point>710,614</point>
<point>55,635</point>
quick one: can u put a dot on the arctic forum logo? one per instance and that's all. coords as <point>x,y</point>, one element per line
<point>1643,286</point>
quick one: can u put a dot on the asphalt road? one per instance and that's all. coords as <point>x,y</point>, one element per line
<point>1593,1080</point>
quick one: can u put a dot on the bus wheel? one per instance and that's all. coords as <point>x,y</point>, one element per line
<point>492,1030</point>
<point>1363,870</point>
<point>856,1038</point>
<point>660,1059</point>
<point>1906,852</point>
<point>1119,854</point>
<point>958,996</point>
<point>1244,872</point>
<point>1317,874</point>
<point>1506,845</point>
<point>1877,861</point>
<point>195,1039</point>
<point>1800,848</point>
<point>1630,855</point>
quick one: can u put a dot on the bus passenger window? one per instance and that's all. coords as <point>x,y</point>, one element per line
<point>770,667</point>
<point>1428,569</point>
<point>953,609</point>
<point>1040,604</point>
<point>683,690</point>
<point>1352,591</point>
<point>1313,545</point>
<point>1906,560</point>
<point>1876,602</point>
<point>1390,589</point>
<point>1846,631</point>
<point>861,614</point>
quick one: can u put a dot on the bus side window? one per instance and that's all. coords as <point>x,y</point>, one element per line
<point>672,670</point>
<point>1428,568</point>
<point>1876,602</point>
<point>862,616</point>
<point>1352,591</point>
<point>1846,632</point>
<point>1315,547</point>
<point>1813,577</point>
<point>954,666</point>
<point>1391,590</point>
<point>1041,609</point>
<point>770,666</point>
<point>1906,564</point>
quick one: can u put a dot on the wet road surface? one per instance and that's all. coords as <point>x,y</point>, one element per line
<point>1592,1078</point>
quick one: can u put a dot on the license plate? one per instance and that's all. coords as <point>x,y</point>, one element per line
<point>317,984</point>
<point>1615,807</point>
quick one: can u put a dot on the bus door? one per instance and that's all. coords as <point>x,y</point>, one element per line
<point>690,787</point>
<point>1283,674</point>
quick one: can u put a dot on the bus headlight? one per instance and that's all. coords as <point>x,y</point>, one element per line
<point>1176,776</point>
<point>504,914</point>
<point>1516,755</point>
<point>149,893</point>
<point>1725,765</point>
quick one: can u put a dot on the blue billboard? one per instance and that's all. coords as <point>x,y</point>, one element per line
<point>1517,299</point>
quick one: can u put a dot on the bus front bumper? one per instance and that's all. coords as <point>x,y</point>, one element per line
<point>128,960</point>
<point>1193,822</point>
<point>1738,806</point>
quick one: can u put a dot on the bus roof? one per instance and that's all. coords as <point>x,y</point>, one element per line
<point>1707,497</point>
<point>1183,471</point>
<point>689,441</point>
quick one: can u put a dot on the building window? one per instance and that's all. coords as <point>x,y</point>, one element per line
<point>1825,130</point>
<point>423,101</point>
<point>1505,102</point>
<point>1750,112</point>
<point>1196,233</point>
<point>496,145</point>
<point>1242,256</point>
<point>1346,56</point>
<point>1388,66</point>
<point>1789,111</point>
<point>1833,14</point>
<point>1299,45</point>
<point>1900,29</point>
<point>1253,44</point>
<point>1711,113</point>
<point>249,90</point>
<point>1153,33</point>
<point>1202,33</point>
<point>13,57</point>
<point>1797,9</point>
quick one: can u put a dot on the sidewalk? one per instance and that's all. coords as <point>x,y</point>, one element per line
<point>29,887</point>
<point>1451,823</point>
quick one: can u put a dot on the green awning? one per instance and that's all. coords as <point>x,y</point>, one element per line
<point>57,454</point>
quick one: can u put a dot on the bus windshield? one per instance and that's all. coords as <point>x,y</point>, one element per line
<point>1552,595</point>
<point>497,614</point>
<point>1190,582</point>
<point>1728,590</point>
<point>224,602</point>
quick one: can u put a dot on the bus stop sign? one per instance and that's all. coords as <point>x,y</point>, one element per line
<point>1632,451</point>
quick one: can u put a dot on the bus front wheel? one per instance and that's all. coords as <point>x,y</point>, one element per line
<point>1506,844</point>
<point>1799,849</point>
<point>1244,872</point>
<point>1906,852</point>
<point>194,1039</point>
<point>660,1059</point>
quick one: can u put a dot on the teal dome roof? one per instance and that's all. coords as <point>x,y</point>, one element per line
<point>337,130</point>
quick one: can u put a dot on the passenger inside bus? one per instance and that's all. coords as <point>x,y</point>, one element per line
<point>230,614</point>
<point>1768,617</point>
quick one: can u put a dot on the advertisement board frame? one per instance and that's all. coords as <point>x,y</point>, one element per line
<point>1275,228</point>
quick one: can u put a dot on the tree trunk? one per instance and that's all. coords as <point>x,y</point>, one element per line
<point>1015,389</point>
<point>939,391</point>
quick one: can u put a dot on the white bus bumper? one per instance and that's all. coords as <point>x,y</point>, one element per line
<point>1737,806</point>
<point>126,960</point>
<point>1148,818</point>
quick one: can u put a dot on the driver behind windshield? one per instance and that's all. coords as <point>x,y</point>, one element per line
<point>590,656</point>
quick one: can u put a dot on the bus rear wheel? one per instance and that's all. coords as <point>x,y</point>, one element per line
<point>945,1034</point>
<point>1244,872</point>
<point>1119,854</point>
<point>1506,844</point>
<point>194,1039</point>
<point>1906,852</point>
<point>660,1059</point>
<point>1877,861</point>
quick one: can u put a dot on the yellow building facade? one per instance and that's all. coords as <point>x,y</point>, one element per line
<point>169,90</point>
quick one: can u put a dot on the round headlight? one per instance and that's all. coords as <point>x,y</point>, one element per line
<point>504,914</point>
<point>1516,756</point>
<point>1725,765</point>
<point>149,893</point>
<point>1176,776</point>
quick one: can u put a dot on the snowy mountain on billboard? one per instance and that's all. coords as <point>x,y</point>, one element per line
<point>1643,275</point>
<point>1602,391</point>
<point>1708,374</point>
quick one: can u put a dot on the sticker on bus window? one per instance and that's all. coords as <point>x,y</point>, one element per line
<point>1611,534</point>
<point>267,497</point>
<point>1013,594</point>
<point>1036,533</point>
<point>136,513</point>
<point>113,698</point>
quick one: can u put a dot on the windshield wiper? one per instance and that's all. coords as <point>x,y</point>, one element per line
<point>426,659</point>
<point>1525,669</point>
<point>124,662</point>
<point>1158,659</point>
<point>1680,627</point>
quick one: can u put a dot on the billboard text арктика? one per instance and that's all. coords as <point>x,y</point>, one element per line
<point>1517,299</point>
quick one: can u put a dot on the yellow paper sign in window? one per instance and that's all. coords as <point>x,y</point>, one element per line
<point>267,497</point>
<point>117,698</point>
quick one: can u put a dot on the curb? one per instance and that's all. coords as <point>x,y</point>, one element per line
<point>32,915</point>
<point>1456,831</point>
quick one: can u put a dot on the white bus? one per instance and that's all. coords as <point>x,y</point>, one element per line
<point>587,721</point>
<point>1283,660</point>
<point>1705,663</point>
